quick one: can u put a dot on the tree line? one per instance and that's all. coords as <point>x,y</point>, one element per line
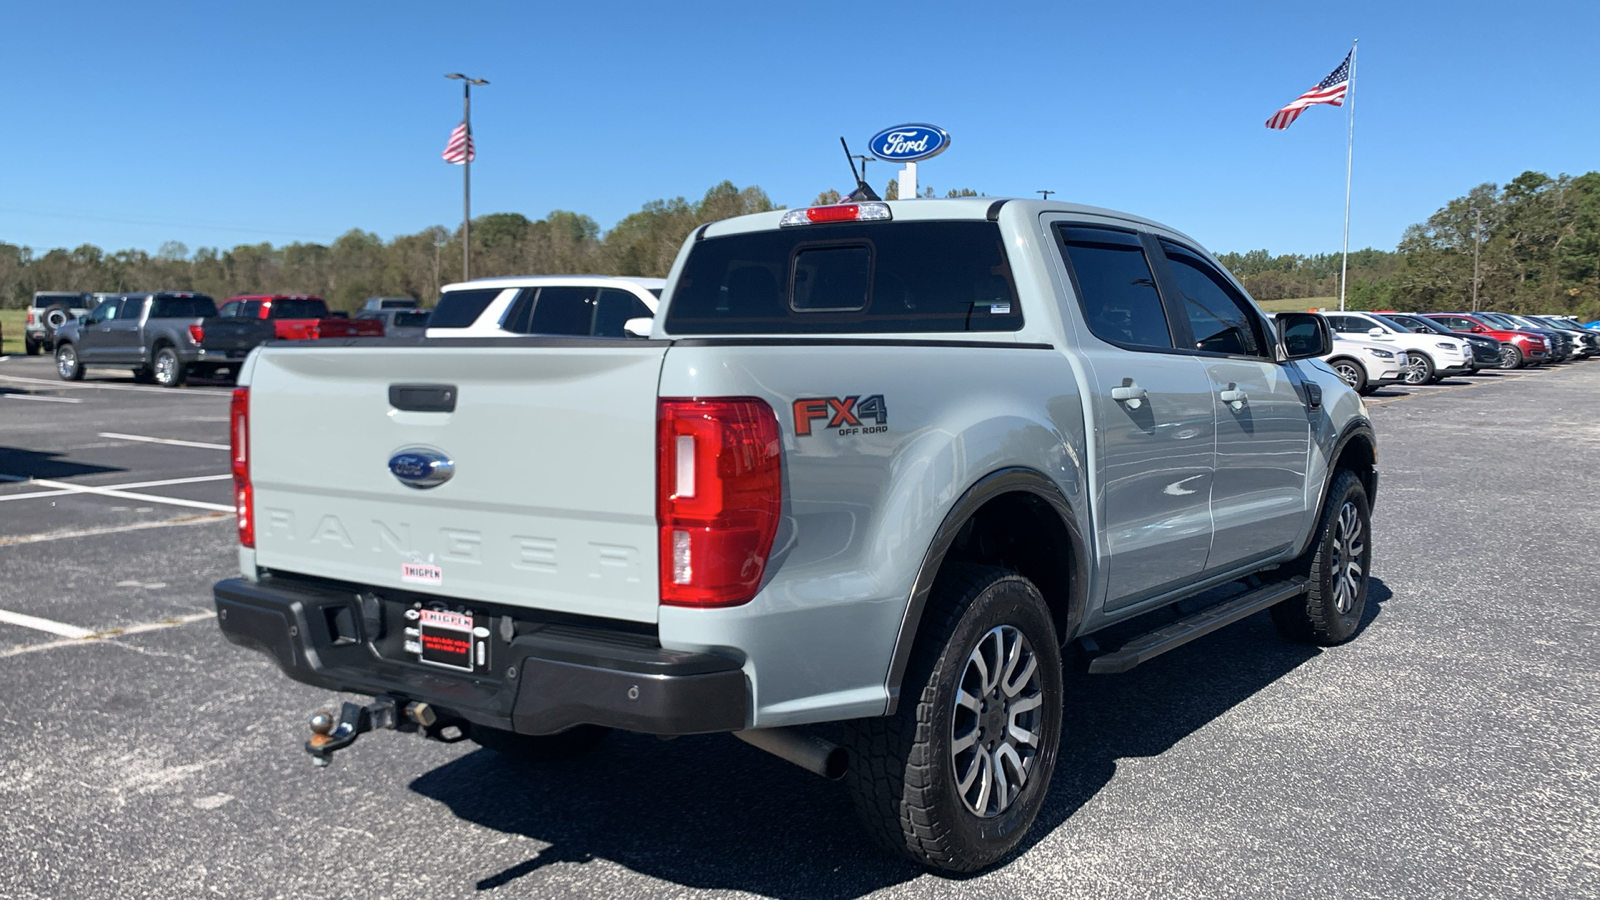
<point>1537,242</point>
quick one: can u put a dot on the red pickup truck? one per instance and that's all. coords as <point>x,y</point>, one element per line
<point>297,317</point>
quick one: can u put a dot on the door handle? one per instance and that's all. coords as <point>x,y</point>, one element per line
<point>1234,397</point>
<point>1131,394</point>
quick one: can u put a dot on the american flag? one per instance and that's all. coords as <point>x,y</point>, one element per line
<point>1330,90</point>
<point>459,150</point>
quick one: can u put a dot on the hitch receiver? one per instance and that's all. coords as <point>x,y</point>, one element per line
<point>329,734</point>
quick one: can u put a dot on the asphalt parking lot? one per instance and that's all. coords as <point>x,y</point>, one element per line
<point>1451,750</point>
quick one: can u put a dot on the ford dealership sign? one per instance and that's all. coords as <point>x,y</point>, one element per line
<point>909,143</point>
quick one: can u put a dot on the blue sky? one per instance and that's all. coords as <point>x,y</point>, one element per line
<point>214,124</point>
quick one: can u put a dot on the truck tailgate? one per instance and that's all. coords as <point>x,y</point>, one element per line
<point>552,500</point>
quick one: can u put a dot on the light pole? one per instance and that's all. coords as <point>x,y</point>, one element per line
<point>466,173</point>
<point>1477,241</point>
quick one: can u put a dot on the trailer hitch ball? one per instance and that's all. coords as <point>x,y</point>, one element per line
<point>322,722</point>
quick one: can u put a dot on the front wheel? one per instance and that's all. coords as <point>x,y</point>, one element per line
<point>1337,567</point>
<point>1510,357</point>
<point>68,366</point>
<point>1351,373</point>
<point>168,370</point>
<point>1419,369</point>
<point>957,775</point>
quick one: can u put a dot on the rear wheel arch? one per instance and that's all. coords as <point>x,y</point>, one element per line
<point>1017,519</point>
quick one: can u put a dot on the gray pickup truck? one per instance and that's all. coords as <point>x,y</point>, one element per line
<point>157,334</point>
<point>886,465</point>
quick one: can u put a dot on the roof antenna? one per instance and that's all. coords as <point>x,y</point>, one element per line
<point>863,190</point>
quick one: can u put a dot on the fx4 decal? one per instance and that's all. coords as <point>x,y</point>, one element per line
<point>844,413</point>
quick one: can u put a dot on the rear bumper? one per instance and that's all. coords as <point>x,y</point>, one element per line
<point>548,677</point>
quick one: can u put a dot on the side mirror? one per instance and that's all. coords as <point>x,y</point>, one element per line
<point>1304,335</point>
<point>83,320</point>
<point>1376,332</point>
<point>639,328</point>
<point>1479,329</point>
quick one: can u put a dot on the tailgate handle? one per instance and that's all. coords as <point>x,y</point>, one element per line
<point>423,397</point>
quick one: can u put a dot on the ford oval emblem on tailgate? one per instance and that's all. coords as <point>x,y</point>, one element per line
<point>421,467</point>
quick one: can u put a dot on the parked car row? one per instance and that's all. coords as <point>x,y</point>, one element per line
<point>168,336</point>
<point>1372,350</point>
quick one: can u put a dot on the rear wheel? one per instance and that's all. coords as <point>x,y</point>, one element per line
<point>68,366</point>
<point>32,346</point>
<point>169,371</point>
<point>1351,373</point>
<point>1337,567</point>
<point>957,775</point>
<point>1510,357</point>
<point>567,744</point>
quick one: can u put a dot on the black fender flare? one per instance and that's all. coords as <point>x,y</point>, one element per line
<point>1360,428</point>
<point>995,484</point>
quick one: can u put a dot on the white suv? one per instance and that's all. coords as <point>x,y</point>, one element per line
<point>1430,357</point>
<point>1366,365</point>
<point>589,305</point>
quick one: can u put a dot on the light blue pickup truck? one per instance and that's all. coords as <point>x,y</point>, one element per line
<point>892,465</point>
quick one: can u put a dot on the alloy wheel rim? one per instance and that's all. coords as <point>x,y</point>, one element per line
<point>1416,370</point>
<point>66,361</point>
<point>1349,552</point>
<point>1508,357</point>
<point>164,367</point>
<point>999,715</point>
<point>1347,374</point>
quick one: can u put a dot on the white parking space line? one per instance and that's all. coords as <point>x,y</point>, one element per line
<point>122,495</point>
<point>155,440</point>
<point>119,487</point>
<point>41,399</point>
<point>111,529</point>
<point>91,638</point>
<point>59,629</point>
<point>79,386</point>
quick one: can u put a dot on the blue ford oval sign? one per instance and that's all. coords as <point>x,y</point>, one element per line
<point>421,467</point>
<point>909,143</point>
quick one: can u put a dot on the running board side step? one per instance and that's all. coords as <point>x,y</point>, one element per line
<point>1147,646</point>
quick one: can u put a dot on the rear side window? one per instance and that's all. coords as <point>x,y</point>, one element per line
<point>417,319</point>
<point>131,308</point>
<point>1115,286</point>
<point>198,306</point>
<point>459,309</point>
<point>852,278</point>
<point>299,308</point>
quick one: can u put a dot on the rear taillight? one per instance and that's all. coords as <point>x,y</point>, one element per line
<point>30,316</point>
<point>197,333</point>
<point>239,452</point>
<point>719,494</point>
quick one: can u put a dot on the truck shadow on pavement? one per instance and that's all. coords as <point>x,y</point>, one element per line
<point>710,812</point>
<point>20,463</point>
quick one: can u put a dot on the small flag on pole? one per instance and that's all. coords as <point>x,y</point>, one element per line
<point>1330,90</point>
<point>459,149</point>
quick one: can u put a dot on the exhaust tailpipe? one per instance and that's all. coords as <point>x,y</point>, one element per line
<point>802,748</point>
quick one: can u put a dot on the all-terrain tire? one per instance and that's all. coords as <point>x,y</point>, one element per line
<point>905,769</point>
<point>573,742</point>
<point>32,347</point>
<point>1337,566</point>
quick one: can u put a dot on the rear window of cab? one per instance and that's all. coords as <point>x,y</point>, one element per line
<point>849,278</point>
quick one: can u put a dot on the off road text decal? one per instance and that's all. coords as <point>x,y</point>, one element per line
<point>846,414</point>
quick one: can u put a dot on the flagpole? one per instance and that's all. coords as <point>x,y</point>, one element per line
<point>1349,160</point>
<point>466,188</point>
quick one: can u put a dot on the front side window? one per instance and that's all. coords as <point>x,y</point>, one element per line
<point>1116,289</point>
<point>1219,316</point>
<point>229,310</point>
<point>106,310</point>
